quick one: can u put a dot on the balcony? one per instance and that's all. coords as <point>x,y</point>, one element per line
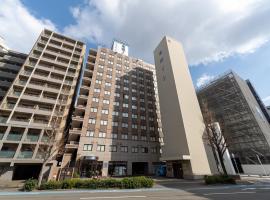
<point>77,118</point>
<point>7,154</point>
<point>14,137</point>
<point>72,145</point>
<point>25,154</point>
<point>31,138</point>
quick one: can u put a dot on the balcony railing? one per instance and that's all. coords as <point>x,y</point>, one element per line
<point>7,154</point>
<point>14,137</point>
<point>1,136</point>
<point>3,119</point>
<point>25,154</point>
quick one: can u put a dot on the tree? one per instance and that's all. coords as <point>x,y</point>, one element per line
<point>214,137</point>
<point>53,143</point>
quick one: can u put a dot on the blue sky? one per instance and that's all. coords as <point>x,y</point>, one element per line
<point>216,35</point>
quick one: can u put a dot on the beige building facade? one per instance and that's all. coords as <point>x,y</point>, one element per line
<point>116,124</point>
<point>182,122</point>
<point>42,92</point>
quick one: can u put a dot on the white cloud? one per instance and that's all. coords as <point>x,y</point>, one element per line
<point>210,30</point>
<point>266,101</point>
<point>205,78</point>
<point>19,27</point>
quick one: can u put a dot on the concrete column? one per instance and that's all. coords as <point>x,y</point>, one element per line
<point>129,168</point>
<point>150,168</point>
<point>105,168</point>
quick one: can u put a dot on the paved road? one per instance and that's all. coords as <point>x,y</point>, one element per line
<point>167,190</point>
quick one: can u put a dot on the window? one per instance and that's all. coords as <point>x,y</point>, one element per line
<point>153,150</point>
<point>143,117</point>
<point>126,88</point>
<point>134,149</point>
<point>141,100</point>
<point>117,78</point>
<point>104,111</point>
<point>151,119</point>
<point>101,135</point>
<point>124,149</point>
<point>116,94</point>
<point>109,69</point>
<point>97,90</point>
<point>100,147</point>
<point>103,122</point>
<point>134,90</point>
<point>116,103</point>
<point>124,125</point>
<point>134,116</point>
<point>92,121</point>
<point>143,127</point>
<point>134,107</point>
<point>108,84</point>
<point>134,98</point>
<point>110,62</point>
<point>151,128</point>
<point>114,123</point>
<point>114,135</point>
<point>117,86</point>
<point>126,81</point>
<point>101,66</point>
<point>134,126</point>
<point>112,148</point>
<point>153,139</point>
<point>98,81</point>
<point>107,92</point>
<point>109,76</point>
<point>118,71</point>
<point>105,101</point>
<point>95,99</point>
<point>87,147</point>
<point>143,138</point>
<point>124,136</point>
<point>125,96</point>
<point>134,137</point>
<point>125,105</point>
<point>90,133</point>
<point>125,114</point>
<point>103,53</point>
<point>99,74</point>
<point>93,109</point>
<point>115,113</point>
<point>144,150</point>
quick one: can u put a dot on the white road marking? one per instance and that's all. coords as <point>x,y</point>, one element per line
<point>118,197</point>
<point>249,188</point>
<point>224,193</point>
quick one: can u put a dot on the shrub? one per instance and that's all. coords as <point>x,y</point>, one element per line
<point>126,183</point>
<point>30,185</point>
<point>223,179</point>
<point>51,185</point>
<point>76,175</point>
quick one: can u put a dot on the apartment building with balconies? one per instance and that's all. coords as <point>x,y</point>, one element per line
<point>42,92</point>
<point>115,129</point>
<point>10,64</point>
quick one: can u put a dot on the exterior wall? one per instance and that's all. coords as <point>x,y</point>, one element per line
<point>120,80</point>
<point>39,98</point>
<point>182,122</point>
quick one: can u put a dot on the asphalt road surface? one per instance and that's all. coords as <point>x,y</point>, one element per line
<point>167,190</point>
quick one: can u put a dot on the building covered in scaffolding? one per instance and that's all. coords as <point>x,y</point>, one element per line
<point>243,123</point>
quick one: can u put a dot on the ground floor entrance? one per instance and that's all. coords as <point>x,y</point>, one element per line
<point>139,168</point>
<point>117,168</point>
<point>174,169</point>
<point>26,171</point>
<point>90,168</point>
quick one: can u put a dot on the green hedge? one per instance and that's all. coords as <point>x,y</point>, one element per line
<point>125,183</point>
<point>215,179</point>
